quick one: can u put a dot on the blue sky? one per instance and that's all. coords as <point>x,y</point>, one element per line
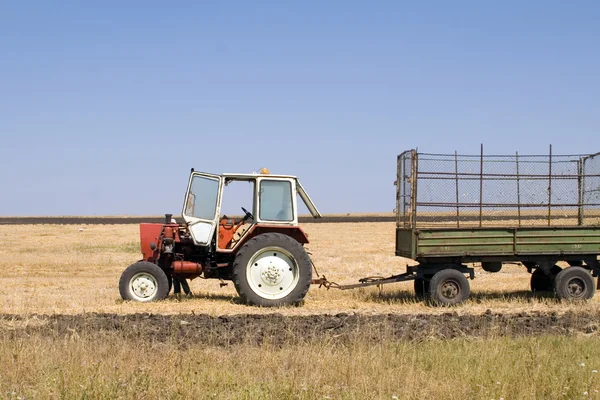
<point>104,106</point>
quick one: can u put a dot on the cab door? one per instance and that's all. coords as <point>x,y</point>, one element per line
<point>202,205</point>
<point>277,200</point>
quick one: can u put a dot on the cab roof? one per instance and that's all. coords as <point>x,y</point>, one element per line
<point>254,176</point>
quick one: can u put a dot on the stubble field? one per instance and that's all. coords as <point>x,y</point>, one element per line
<point>65,333</point>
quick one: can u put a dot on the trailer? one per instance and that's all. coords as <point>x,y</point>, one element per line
<point>453,211</point>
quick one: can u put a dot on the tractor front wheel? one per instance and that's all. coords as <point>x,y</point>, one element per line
<point>272,270</point>
<point>144,281</point>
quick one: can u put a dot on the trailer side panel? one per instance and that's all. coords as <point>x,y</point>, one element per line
<point>511,243</point>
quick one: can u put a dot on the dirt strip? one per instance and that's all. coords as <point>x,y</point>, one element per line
<point>276,329</point>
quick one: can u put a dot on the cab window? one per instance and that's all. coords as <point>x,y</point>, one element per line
<point>275,201</point>
<point>202,198</point>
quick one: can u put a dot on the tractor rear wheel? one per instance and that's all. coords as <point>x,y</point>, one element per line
<point>272,270</point>
<point>144,281</point>
<point>448,287</point>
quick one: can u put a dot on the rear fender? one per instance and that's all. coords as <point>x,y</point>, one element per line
<point>294,232</point>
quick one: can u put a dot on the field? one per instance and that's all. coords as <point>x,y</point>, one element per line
<point>65,333</point>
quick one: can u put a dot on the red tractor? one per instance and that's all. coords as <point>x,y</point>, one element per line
<point>262,252</point>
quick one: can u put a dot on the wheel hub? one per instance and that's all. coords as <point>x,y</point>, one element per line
<point>143,286</point>
<point>450,289</point>
<point>576,287</point>
<point>272,272</point>
<point>271,275</point>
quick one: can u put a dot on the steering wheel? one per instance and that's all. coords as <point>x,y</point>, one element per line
<point>248,214</point>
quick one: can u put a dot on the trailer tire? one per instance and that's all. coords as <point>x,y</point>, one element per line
<point>143,281</point>
<point>421,286</point>
<point>540,282</point>
<point>448,287</point>
<point>271,270</point>
<point>574,283</point>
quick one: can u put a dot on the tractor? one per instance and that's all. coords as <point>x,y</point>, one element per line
<point>262,252</point>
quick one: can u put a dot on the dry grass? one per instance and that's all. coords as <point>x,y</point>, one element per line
<point>63,269</point>
<point>501,368</point>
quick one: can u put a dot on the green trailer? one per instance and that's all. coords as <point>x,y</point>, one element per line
<point>455,212</point>
<point>539,211</point>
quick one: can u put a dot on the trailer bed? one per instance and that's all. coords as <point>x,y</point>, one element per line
<point>496,244</point>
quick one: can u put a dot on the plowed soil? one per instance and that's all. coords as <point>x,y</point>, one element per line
<point>275,329</point>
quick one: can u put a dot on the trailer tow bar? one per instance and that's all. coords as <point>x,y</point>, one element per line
<point>410,275</point>
<point>364,282</point>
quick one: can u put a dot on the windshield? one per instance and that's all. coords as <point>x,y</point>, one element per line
<point>202,198</point>
<point>276,201</point>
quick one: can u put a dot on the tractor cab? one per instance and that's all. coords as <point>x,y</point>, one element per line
<point>273,204</point>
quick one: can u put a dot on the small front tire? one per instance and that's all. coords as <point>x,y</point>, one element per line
<point>144,281</point>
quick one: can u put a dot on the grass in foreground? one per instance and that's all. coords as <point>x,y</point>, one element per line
<point>548,367</point>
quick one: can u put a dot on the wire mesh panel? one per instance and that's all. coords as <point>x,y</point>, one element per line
<point>403,188</point>
<point>590,189</point>
<point>497,190</point>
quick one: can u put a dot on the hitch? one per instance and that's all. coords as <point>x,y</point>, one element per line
<point>323,282</point>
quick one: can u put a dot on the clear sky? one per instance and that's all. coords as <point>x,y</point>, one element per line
<point>106,105</point>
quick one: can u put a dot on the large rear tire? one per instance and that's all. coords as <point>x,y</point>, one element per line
<point>449,287</point>
<point>143,281</point>
<point>272,270</point>
<point>574,283</point>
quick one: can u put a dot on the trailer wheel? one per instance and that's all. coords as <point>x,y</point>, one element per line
<point>574,283</point>
<point>449,287</point>
<point>421,286</point>
<point>143,281</point>
<point>272,270</point>
<point>540,282</point>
